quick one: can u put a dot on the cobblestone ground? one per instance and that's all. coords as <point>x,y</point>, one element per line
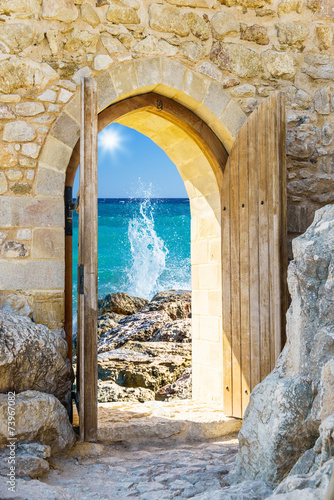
<point>117,472</point>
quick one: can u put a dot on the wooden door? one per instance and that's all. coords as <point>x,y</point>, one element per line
<point>254,253</point>
<point>87,265</point>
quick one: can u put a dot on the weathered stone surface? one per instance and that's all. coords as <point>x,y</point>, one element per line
<point>6,113</point>
<point>178,330</point>
<point>120,13</point>
<point>21,188</point>
<point>59,10</point>
<point>102,62</point>
<point>301,143</point>
<point>230,82</point>
<point>29,460</point>
<point>113,45</point>
<point>208,4</point>
<point>38,417</point>
<point>14,249</point>
<point>302,99</point>
<point>176,303</point>
<point>254,33</point>
<point>252,490</point>
<point>151,45</point>
<point>25,7</point>
<point>198,26</point>
<point>107,322</point>
<point>15,174</point>
<point>193,51</point>
<point>245,90</point>
<point>180,389</point>
<point>319,66</point>
<point>29,108</point>
<point>121,303</point>
<point>287,6</point>
<point>18,131</point>
<point>223,24</point>
<point>3,183</point>
<point>89,14</point>
<point>236,58</point>
<point>144,364</point>
<point>8,156</point>
<point>209,69</point>
<point>17,37</point>
<point>64,96</point>
<point>251,4</point>
<point>292,33</point>
<point>33,357</point>
<point>109,391</point>
<point>16,73</point>
<point>321,101</point>
<point>325,36</point>
<point>285,410</point>
<point>82,40</point>
<point>26,212</point>
<point>168,19</point>
<point>31,149</point>
<point>279,64</point>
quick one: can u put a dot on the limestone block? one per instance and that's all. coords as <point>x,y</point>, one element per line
<point>321,101</point>
<point>172,73</point>
<point>287,6</point>
<point>56,154</point>
<point>16,73</point>
<point>254,33</point>
<point>249,105</point>
<point>21,7</point>
<point>324,36</point>
<point>14,249</point>
<point>50,182</point>
<point>64,96</point>
<point>106,92</point>
<point>30,149</point>
<point>120,13</point>
<point>195,85</point>
<point>124,78</point>
<point>3,183</point>
<point>193,51</point>
<point>19,130</point>
<point>113,45</point>
<point>245,90</point>
<point>102,62</point>
<point>24,234</point>
<point>152,45</point>
<point>223,24</point>
<point>319,66</point>
<point>233,118</point>
<point>48,243</point>
<point>82,41</point>
<point>6,113</point>
<point>237,59</point>
<point>31,275</point>
<point>292,33</point>
<point>66,130</point>
<point>148,71</point>
<point>208,354</point>
<point>35,212</point>
<point>48,96</point>
<point>252,4</point>
<point>302,100</point>
<point>59,10</point>
<point>89,14</point>
<point>17,37</point>
<point>29,108</point>
<point>162,18</point>
<point>14,174</point>
<point>197,25</point>
<point>215,304</point>
<point>86,71</point>
<point>216,99</point>
<point>206,4</point>
<point>209,69</point>
<point>279,64</point>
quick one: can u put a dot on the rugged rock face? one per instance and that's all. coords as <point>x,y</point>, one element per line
<point>181,388</point>
<point>285,410</point>
<point>121,303</point>
<point>33,357</point>
<point>38,417</point>
<point>146,350</point>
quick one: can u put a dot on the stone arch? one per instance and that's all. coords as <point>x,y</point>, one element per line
<point>200,168</point>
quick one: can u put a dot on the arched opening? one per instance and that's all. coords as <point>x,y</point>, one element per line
<point>200,158</point>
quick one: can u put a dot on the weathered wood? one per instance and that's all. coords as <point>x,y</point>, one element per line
<point>254,241</point>
<point>87,302</point>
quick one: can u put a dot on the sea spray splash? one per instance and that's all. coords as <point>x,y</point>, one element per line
<point>148,251</point>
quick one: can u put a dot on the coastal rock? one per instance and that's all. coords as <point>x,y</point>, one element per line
<point>144,364</point>
<point>38,417</point>
<point>180,389</point>
<point>174,331</point>
<point>109,391</point>
<point>175,303</point>
<point>107,322</point>
<point>33,357</point>
<point>282,419</point>
<point>121,303</point>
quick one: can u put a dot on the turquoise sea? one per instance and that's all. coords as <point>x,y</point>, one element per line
<point>143,246</point>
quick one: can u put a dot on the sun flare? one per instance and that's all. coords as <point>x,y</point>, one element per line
<point>110,140</point>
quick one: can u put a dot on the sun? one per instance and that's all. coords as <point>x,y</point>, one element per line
<point>110,140</point>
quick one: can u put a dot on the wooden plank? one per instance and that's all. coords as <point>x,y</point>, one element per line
<point>235,279</point>
<point>263,241</point>
<point>274,225</point>
<point>88,258</point>
<point>244,146</point>
<point>254,286</point>
<point>226,289</point>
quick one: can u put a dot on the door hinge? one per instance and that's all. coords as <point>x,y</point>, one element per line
<point>69,207</point>
<point>160,104</point>
<point>81,279</point>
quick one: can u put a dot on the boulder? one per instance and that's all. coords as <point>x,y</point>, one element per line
<point>237,59</point>
<point>176,303</point>
<point>109,391</point>
<point>144,364</point>
<point>38,417</point>
<point>180,389</point>
<point>174,331</point>
<point>29,460</point>
<point>283,416</point>
<point>121,303</point>
<point>33,357</point>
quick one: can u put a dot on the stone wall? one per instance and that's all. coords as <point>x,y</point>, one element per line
<point>250,47</point>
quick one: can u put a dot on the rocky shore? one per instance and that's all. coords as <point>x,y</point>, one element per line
<point>144,348</point>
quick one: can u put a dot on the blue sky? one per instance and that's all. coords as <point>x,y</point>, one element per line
<point>129,162</point>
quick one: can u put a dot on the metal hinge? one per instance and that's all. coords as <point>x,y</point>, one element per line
<point>160,104</point>
<point>69,207</point>
<point>81,279</point>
